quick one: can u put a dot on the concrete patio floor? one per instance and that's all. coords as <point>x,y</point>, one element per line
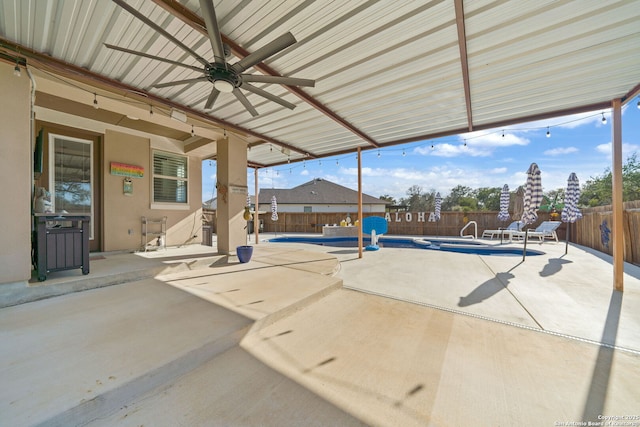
<point>312,335</point>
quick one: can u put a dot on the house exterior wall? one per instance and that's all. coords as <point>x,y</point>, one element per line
<point>323,208</point>
<point>16,165</point>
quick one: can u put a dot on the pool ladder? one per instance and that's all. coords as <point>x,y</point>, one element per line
<point>470,236</point>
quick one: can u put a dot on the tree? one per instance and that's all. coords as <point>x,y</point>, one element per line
<point>460,197</point>
<point>389,199</point>
<point>597,191</point>
<point>489,198</point>
<point>418,201</point>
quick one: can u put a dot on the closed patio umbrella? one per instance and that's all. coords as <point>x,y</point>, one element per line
<point>518,204</point>
<point>503,215</point>
<point>274,211</point>
<point>571,213</point>
<point>438,208</point>
<point>532,200</point>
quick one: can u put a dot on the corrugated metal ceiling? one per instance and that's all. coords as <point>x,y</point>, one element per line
<point>386,72</point>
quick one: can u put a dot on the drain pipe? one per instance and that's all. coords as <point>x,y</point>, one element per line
<point>31,128</point>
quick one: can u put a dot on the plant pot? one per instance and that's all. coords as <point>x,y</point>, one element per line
<point>244,253</point>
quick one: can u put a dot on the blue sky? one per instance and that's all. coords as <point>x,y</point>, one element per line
<point>579,143</point>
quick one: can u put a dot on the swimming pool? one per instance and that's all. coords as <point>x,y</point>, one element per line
<point>442,244</point>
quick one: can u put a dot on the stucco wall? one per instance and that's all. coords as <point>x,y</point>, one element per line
<point>122,214</point>
<point>15,176</point>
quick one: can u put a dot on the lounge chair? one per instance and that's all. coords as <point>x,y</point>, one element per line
<point>515,226</point>
<point>546,230</point>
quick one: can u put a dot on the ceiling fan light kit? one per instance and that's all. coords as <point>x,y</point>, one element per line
<point>224,77</point>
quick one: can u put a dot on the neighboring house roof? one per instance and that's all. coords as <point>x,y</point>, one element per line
<point>317,191</point>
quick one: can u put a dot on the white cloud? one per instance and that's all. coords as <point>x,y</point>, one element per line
<point>498,170</point>
<point>627,149</point>
<point>560,151</point>
<point>304,172</point>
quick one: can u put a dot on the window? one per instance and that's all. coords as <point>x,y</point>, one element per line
<point>71,175</point>
<point>307,209</point>
<point>170,178</point>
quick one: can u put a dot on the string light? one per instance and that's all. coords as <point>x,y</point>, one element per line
<point>379,150</point>
<point>403,153</point>
<point>337,163</point>
<point>432,147</point>
<point>16,70</point>
<point>503,133</point>
<point>319,162</point>
<point>638,105</point>
<point>465,142</point>
<point>270,147</point>
<point>548,132</point>
<point>604,119</point>
<point>151,110</point>
<point>304,164</point>
<point>289,159</point>
<point>193,133</point>
<point>95,101</point>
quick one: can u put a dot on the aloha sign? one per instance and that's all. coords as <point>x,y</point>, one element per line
<point>409,217</point>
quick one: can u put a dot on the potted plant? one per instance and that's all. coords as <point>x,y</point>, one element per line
<point>244,252</point>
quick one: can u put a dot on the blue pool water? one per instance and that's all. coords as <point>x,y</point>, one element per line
<point>442,244</point>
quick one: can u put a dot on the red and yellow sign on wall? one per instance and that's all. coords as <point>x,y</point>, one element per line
<point>123,169</point>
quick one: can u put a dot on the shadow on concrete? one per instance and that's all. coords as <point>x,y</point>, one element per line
<point>553,266</point>
<point>487,289</point>
<point>594,404</point>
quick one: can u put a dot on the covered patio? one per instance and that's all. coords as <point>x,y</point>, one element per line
<point>307,334</point>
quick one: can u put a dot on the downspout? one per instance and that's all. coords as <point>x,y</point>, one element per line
<point>32,113</point>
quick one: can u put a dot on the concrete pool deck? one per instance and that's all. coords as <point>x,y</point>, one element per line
<point>413,337</point>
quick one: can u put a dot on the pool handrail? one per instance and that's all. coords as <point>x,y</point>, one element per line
<point>471,236</point>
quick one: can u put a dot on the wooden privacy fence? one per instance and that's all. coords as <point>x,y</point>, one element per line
<point>401,223</point>
<point>591,230</point>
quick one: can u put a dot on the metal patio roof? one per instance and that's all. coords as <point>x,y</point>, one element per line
<point>387,71</point>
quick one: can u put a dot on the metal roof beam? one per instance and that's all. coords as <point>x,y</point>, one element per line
<point>464,63</point>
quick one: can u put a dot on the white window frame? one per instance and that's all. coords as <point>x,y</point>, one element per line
<point>52,168</point>
<point>168,205</point>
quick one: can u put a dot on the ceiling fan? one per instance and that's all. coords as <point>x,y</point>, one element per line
<point>226,78</point>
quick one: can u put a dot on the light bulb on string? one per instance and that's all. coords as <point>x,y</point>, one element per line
<point>270,147</point>
<point>432,147</point>
<point>503,133</point>
<point>378,153</point>
<point>289,171</point>
<point>465,142</point>
<point>319,162</point>
<point>638,104</point>
<point>151,110</point>
<point>337,162</point>
<point>548,132</point>
<point>95,101</point>
<point>289,159</point>
<point>403,153</point>
<point>16,70</point>
<point>193,132</point>
<point>604,119</point>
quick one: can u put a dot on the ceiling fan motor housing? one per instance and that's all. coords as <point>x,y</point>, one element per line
<point>225,78</point>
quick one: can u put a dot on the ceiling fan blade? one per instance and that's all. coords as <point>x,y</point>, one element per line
<point>209,15</point>
<point>157,58</point>
<point>243,99</point>
<point>267,95</point>
<point>181,82</point>
<point>271,48</point>
<point>160,30</point>
<point>212,99</point>
<point>289,81</point>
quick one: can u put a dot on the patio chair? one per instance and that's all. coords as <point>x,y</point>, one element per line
<point>546,230</point>
<point>514,226</point>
